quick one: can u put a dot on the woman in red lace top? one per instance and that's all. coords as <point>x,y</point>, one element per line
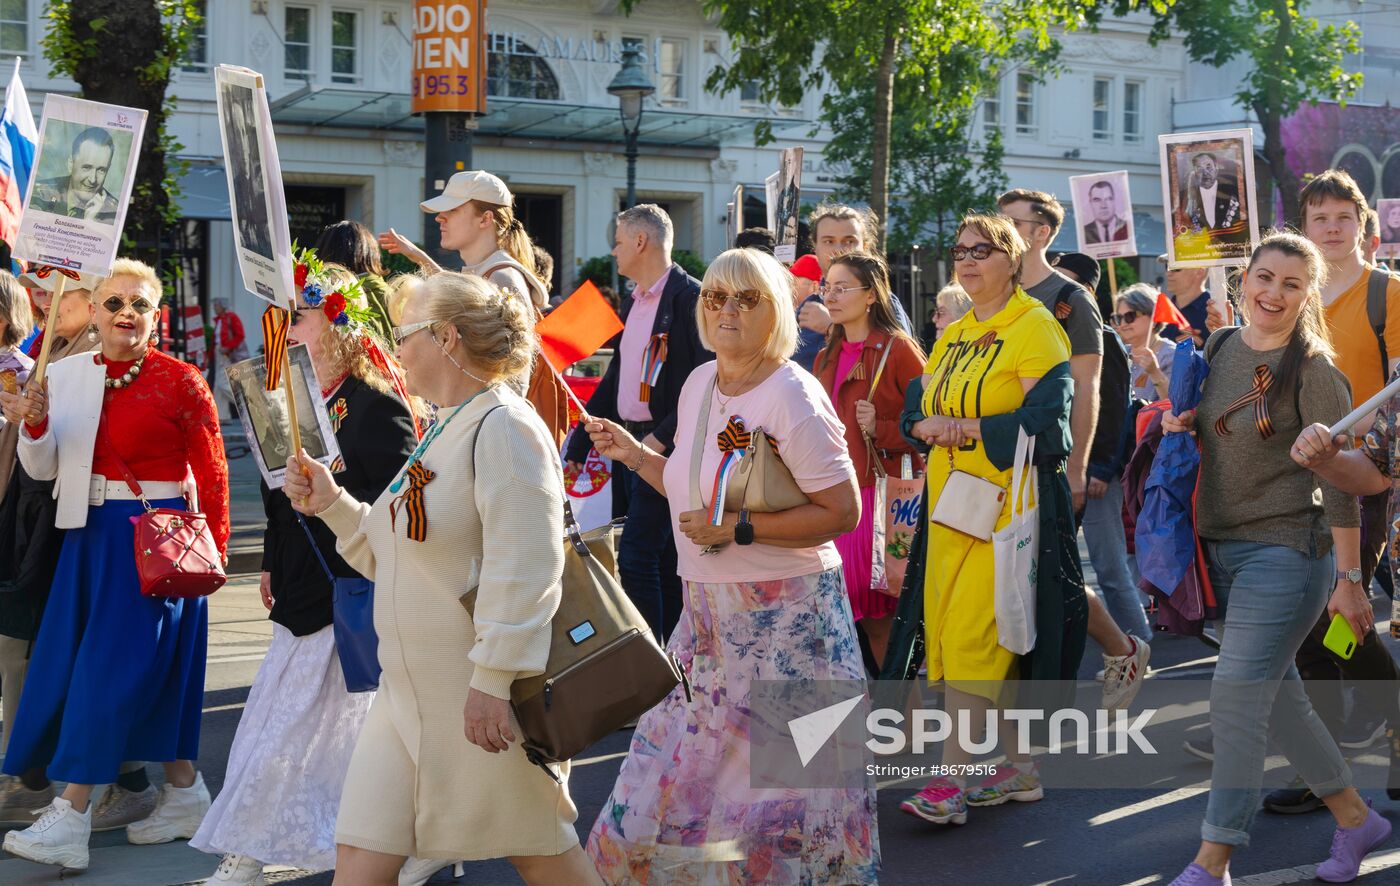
<point>116,675</point>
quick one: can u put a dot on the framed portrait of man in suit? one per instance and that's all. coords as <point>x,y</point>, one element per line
<point>1103,214</point>
<point>1208,192</point>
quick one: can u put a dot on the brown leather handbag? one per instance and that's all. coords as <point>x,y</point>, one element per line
<point>605,668</point>
<point>175,552</point>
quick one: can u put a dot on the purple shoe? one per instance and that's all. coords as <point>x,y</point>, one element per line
<point>1195,875</point>
<point>1350,846</point>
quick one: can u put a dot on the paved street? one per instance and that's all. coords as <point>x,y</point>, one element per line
<point>1094,837</point>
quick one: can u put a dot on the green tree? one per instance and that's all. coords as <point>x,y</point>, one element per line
<point>123,52</point>
<point>930,58</point>
<point>1293,59</point>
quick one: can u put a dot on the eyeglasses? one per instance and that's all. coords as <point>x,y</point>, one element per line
<point>939,312</point>
<point>979,251</point>
<point>716,299</point>
<point>840,291</point>
<point>140,304</point>
<point>399,333</point>
<point>1026,221</point>
<point>1124,318</point>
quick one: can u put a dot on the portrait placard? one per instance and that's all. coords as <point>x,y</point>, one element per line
<point>1389,212</point>
<point>1103,214</point>
<point>736,217</point>
<point>259,206</point>
<point>770,198</point>
<point>1208,192</point>
<point>81,186</point>
<point>788,205</point>
<point>264,415</point>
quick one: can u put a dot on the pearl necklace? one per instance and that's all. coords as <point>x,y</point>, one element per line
<point>126,378</point>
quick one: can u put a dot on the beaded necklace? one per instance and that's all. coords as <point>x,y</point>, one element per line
<point>127,377</point>
<point>427,440</point>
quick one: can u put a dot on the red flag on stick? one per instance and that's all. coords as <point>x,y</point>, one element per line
<point>1166,312</point>
<point>582,324</point>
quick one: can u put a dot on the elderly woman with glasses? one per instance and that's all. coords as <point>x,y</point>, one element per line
<point>116,675</point>
<point>764,601</point>
<point>1152,355</point>
<point>1001,369</point>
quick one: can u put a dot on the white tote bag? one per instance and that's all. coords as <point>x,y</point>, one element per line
<point>1015,549</point>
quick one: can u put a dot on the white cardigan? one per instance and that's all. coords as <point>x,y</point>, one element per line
<point>64,452</point>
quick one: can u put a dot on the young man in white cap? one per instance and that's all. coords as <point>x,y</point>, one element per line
<point>476,217</point>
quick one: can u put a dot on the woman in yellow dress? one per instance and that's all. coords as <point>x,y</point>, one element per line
<point>999,368</point>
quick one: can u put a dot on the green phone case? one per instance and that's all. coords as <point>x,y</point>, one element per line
<point>1340,638</point>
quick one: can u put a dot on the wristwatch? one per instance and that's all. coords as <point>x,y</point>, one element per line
<point>1352,575</point>
<point>743,530</point>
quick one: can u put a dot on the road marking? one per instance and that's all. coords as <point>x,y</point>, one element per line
<point>1307,873</point>
<point>588,761</point>
<point>236,657</point>
<point>223,707</point>
<point>1176,796</point>
<point>1150,878</point>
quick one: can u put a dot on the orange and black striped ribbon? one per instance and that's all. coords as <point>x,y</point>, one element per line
<point>275,323</point>
<point>1258,395</point>
<point>44,271</point>
<point>736,436</point>
<point>412,502</point>
<point>653,361</point>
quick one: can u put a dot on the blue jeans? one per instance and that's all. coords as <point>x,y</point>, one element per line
<point>646,559</point>
<point>1272,596</point>
<point>1108,552</point>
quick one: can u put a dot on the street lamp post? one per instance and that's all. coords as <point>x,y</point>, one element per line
<point>631,85</point>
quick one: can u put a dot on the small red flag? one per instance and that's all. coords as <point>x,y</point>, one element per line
<point>581,324</point>
<point>1166,312</point>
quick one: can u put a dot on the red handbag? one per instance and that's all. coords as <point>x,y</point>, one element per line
<point>175,552</point>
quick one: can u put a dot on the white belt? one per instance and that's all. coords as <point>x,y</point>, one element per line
<point>101,490</point>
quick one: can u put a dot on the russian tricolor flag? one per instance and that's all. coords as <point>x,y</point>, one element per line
<point>19,138</point>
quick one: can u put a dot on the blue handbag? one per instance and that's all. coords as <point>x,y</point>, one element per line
<point>352,609</point>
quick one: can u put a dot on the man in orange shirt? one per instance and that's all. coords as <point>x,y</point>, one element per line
<point>1333,214</point>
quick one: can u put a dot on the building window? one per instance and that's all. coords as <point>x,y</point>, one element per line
<point>197,51</point>
<point>1132,112</point>
<point>671,67</point>
<point>749,94</point>
<point>14,26</point>
<point>1103,109</point>
<point>991,111</point>
<point>516,71</point>
<point>297,30</point>
<point>1025,104</point>
<point>345,38</point>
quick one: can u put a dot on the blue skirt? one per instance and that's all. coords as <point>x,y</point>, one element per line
<point>114,675</point>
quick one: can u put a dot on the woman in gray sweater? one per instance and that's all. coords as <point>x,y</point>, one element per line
<point>1278,551</point>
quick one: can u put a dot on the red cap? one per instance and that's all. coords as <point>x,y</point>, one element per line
<point>807,266</point>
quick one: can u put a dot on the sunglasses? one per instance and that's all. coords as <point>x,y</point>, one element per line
<point>399,333</point>
<point>716,299</point>
<point>1124,318</point>
<point>139,304</point>
<point>979,251</point>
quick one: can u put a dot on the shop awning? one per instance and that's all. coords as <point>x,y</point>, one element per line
<point>318,105</point>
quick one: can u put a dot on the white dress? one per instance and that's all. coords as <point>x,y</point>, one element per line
<point>287,766</point>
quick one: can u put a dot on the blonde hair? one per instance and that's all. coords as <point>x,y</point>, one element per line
<point>737,270</point>
<point>402,289</point>
<point>130,267</point>
<point>511,237</point>
<point>954,299</point>
<point>999,230</point>
<point>497,328</point>
<point>347,352</point>
<point>14,310</point>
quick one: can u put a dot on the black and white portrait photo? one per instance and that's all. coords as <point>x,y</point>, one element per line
<point>789,205</point>
<point>245,168</point>
<point>264,414</point>
<point>1103,213</point>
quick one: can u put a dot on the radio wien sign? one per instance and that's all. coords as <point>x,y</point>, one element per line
<point>449,62</point>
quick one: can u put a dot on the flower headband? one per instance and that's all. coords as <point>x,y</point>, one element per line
<point>342,303</point>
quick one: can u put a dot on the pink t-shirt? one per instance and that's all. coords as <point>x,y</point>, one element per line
<point>792,408</point>
<point>635,338</point>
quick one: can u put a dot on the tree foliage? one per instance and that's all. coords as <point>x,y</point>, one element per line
<point>123,52</point>
<point>1293,59</point>
<point>930,59</point>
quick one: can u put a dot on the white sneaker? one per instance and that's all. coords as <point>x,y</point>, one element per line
<point>120,807</point>
<point>178,814</point>
<point>1123,675</point>
<point>59,837</point>
<point>238,869</point>
<point>417,871</point>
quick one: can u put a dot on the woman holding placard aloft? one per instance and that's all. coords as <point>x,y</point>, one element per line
<point>1277,556</point>
<point>867,363</point>
<point>997,379</point>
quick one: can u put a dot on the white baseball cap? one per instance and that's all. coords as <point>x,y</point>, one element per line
<point>472,185</point>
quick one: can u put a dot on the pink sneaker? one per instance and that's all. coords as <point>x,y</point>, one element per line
<point>941,802</point>
<point>1005,784</point>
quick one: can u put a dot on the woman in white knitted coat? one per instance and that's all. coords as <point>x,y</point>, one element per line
<point>438,772</point>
